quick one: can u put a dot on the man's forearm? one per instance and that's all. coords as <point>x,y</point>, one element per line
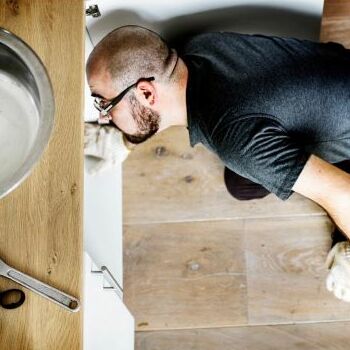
<point>328,186</point>
<point>339,211</point>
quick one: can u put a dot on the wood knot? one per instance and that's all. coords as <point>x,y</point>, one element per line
<point>73,188</point>
<point>54,258</point>
<point>189,178</point>
<point>186,156</point>
<point>204,249</point>
<point>142,324</point>
<point>52,262</point>
<point>160,151</point>
<point>13,6</point>
<point>193,266</point>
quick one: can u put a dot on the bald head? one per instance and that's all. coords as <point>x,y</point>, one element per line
<point>129,53</point>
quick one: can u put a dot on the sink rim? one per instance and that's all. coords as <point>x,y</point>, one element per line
<point>46,108</point>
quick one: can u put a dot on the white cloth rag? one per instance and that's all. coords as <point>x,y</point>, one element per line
<point>338,279</point>
<point>104,147</point>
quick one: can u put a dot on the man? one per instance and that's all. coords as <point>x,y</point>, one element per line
<point>275,110</point>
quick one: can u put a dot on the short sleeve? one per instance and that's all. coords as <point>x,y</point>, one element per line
<point>260,149</point>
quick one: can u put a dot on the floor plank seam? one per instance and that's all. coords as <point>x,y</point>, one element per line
<point>247,325</point>
<point>228,219</point>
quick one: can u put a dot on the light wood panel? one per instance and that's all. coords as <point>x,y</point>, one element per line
<point>225,273</point>
<point>185,275</point>
<point>165,180</point>
<point>41,221</point>
<point>317,336</point>
<point>286,271</point>
<point>229,272</point>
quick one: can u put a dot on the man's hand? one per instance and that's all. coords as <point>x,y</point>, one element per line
<point>104,147</point>
<point>338,279</point>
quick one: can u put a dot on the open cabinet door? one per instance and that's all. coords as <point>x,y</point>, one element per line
<point>107,322</point>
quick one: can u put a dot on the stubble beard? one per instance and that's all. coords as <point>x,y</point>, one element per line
<point>147,121</point>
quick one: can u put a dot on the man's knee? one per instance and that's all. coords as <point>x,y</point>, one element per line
<point>241,188</point>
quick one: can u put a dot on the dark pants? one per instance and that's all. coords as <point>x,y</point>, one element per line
<point>244,189</point>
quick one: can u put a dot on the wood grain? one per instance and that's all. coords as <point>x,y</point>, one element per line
<point>286,271</point>
<point>185,275</point>
<point>41,221</point>
<point>165,180</point>
<point>316,336</point>
<point>229,273</point>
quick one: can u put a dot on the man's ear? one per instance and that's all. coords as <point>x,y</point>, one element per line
<point>146,92</point>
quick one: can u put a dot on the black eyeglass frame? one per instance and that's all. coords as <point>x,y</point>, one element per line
<point>105,111</point>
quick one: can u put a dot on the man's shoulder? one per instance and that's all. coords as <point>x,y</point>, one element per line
<point>204,40</point>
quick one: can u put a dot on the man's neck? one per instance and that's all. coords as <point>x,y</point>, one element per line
<point>176,105</point>
<point>182,90</point>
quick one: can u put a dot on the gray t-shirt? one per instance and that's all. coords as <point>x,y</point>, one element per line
<point>263,104</point>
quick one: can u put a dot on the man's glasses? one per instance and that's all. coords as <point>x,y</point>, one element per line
<point>104,107</point>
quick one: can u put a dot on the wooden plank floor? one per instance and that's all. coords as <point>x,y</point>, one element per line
<point>229,273</point>
<point>165,180</point>
<point>203,270</point>
<point>316,336</point>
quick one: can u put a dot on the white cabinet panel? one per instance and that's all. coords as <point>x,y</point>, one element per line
<point>103,220</point>
<point>108,325</point>
<point>91,112</point>
<point>107,322</point>
<point>103,207</point>
<point>300,18</point>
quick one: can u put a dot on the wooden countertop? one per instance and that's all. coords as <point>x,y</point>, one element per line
<point>41,222</point>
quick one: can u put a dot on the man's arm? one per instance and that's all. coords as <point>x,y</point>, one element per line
<point>329,187</point>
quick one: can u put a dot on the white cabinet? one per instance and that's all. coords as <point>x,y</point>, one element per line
<point>108,325</point>
<point>90,112</point>
<point>107,322</point>
<point>172,18</point>
<point>103,237</point>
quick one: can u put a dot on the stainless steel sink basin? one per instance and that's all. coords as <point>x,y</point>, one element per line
<point>26,110</point>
